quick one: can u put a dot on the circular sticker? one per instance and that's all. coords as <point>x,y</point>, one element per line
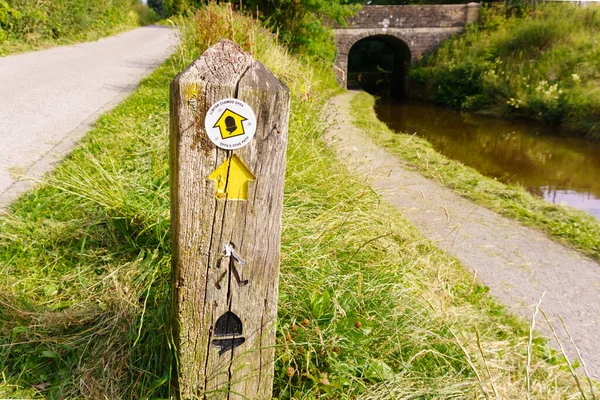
<point>230,124</point>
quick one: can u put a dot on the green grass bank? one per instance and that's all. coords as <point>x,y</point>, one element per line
<point>538,64</point>
<point>368,309</point>
<point>27,25</point>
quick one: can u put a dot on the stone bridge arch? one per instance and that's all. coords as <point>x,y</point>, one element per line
<point>399,46</point>
<point>420,28</point>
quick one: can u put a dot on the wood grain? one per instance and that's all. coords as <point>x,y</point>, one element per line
<point>202,225</point>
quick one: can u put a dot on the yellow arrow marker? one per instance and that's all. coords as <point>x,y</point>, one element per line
<point>231,179</point>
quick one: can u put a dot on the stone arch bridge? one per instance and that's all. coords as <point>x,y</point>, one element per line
<point>410,32</point>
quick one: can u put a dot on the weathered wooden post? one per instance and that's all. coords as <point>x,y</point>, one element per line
<point>226,203</point>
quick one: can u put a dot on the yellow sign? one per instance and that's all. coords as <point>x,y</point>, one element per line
<point>231,179</point>
<point>230,124</point>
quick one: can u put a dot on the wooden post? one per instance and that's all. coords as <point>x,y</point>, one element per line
<point>226,223</point>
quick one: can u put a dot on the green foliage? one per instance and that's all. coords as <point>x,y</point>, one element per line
<point>145,14</point>
<point>310,37</point>
<point>301,23</point>
<point>541,65</point>
<point>31,22</point>
<point>459,84</point>
<point>404,2</point>
<point>161,7</point>
<point>181,7</point>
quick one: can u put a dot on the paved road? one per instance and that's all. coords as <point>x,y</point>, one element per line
<point>50,98</point>
<point>519,264</point>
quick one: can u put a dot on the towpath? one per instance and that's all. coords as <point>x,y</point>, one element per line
<point>517,263</point>
<point>49,99</point>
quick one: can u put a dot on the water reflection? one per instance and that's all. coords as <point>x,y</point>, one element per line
<point>560,169</point>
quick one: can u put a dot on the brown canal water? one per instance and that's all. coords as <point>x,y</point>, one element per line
<point>551,165</point>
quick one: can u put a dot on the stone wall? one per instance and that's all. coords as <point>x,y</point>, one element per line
<point>409,16</point>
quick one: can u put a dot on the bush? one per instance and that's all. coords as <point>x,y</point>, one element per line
<point>301,24</point>
<point>537,66</point>
<point>458,83</point>
<point>145,14</point>
<point>32,21</point>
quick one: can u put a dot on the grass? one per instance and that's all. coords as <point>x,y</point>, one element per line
<point>368,308</point>
<point>542,65</point>
<point>27,25</point>
<point>573,227</point>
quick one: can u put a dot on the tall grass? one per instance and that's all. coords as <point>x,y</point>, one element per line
<point>368,308</point>
<point>30,24</point>
<point>542,66</point>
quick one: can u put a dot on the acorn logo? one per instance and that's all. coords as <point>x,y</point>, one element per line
<point>230,124</point>
<point>229,329</point>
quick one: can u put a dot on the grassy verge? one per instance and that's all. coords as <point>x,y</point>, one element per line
<point>368,308</point>
<point>574,227</point>
<point>540,64</point>
<point>27,25</point>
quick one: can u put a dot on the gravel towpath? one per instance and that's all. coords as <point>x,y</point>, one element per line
<point>49,99</point>
<point>517,263</point>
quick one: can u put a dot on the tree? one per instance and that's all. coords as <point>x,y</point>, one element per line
<point>301,23</point>
<point>158,6</point>
<point>402,2</point>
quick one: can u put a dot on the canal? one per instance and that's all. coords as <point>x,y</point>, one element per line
<point>550,164</point>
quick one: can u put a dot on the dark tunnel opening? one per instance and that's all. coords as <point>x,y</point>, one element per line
<point>379,65</point>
